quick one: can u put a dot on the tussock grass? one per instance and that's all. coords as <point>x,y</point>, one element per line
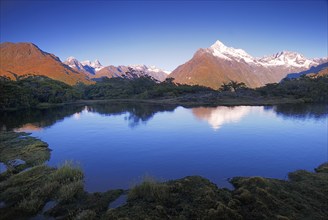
<point>22,146</point>
<point>149,190</point>
<point>31,204</point>
<point>70,191</point>
<point>86,215</point>
<point>67,172</point>
<point>21,185</point>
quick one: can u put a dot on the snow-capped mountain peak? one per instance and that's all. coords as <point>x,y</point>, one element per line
<point>70,58</point>
<point>288,59</point>
<point>151,71</point>
<point>219,46</point>
<point>146,68</point>
<point>284,58</point>
<point>85,66</point>
<point>74,63</point>
<point>220,50</point>
<point>96,64</point>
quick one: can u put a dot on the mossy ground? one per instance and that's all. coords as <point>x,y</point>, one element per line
<point>303,196</point>
<point>24,147</point>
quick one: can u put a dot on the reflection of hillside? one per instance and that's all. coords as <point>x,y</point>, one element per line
<point>28,128</point>
<point>37,118</point>
<point>31,120</point>
<point>138,112</point>
<point>218,116</point>
<point>301,111</point>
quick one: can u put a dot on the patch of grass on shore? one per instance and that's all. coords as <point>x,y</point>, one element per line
<point>25,193</point>
<point>149,189</point>
<point>21,146</point>
<point>303,196</point>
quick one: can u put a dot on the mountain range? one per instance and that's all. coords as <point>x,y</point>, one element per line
<point>96,70</point>
<point>219,64</point>
<point>209,67</point>
<point>24,59</point>
<point>87,67</point>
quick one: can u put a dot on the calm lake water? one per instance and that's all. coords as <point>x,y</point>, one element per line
<point>116,144</point>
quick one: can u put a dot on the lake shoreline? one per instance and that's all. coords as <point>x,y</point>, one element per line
<point>191,196</point>
<point>184,101</point>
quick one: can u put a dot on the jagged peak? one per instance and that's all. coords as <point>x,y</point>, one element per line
<point>220,50</point>
<point>282,58</point>
<point>97,62</point>
<point>71,58</point>
<point>218,45</point>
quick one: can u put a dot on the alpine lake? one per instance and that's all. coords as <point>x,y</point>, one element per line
<point>117,144</point>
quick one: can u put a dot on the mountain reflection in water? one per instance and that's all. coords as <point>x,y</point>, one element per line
<point>139,113</point>
<point>116,143</point>
<point>218,116</point>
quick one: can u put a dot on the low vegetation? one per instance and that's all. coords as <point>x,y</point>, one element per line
<point>303,196</point>
<point>21,151</point>
<point>307,88</point>
<point>28,92</point>
<point>39,91</point>
<point>25,193</point>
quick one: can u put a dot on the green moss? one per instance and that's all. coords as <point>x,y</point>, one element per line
<point>21,146</point>
<point>95,202</point>
<point>304,196</point>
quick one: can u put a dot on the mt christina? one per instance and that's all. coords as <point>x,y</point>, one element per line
<point>219,64</point>
<point>210,67</point>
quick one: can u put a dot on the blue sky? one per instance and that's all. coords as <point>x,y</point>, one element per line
<point>164,33</point>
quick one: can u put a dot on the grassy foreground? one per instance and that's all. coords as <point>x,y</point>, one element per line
<point>28,186</point>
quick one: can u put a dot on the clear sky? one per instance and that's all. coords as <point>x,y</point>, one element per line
<point>164,33</point>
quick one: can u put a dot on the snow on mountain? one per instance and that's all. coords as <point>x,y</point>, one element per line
<point>96,64</point>
<point>220,64</point>
<point>288,59</point>
<point>148,68</point>
<point>284,58</point>
<point>85,66</point>
<point>220,50</point>
<point>74,63</point>
<point>151,71</point>
<point>97,70</point>
<point>320,60</point>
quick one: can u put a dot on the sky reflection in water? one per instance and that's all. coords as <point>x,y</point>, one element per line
<point>117,144</point>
